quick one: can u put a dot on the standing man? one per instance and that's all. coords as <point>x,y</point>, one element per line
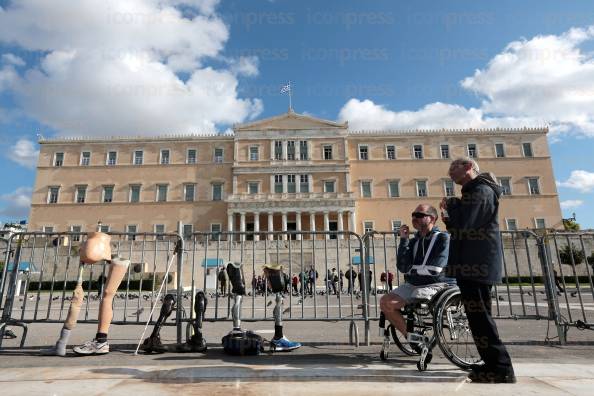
<point>475,260</point>
<point>350,275</point>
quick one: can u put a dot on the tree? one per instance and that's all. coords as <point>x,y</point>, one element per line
<point>571,225</point>
<point>566,252</point>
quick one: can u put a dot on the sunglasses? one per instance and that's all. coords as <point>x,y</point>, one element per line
<point>419,215</point>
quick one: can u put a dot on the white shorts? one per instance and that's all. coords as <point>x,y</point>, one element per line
<point>411,293</point>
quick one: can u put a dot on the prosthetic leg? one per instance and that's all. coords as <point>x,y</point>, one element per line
<point>197,343</point>
<point>95,248</point>
<point>238,341</point>
<point>276,279</point>
<point>153,343</point>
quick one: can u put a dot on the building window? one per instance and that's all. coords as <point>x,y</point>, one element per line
<point>59,159</point>
<point>254,153</point>
<point>366,189</point>
<point>421,188</point>
<point>112,158</point>
<point>393,189</point>
<point>135,193</point>
<point>48,229</point>
<point>391,152</point>
<point>304,183</point>
<point>218,155</point>
<point>527,149</point>
<point>81,194</point>
<point>533,187</point>
<point>505,183</point>
<point>188,231</point>
<point>217,191</point>
<point>472,150</point>
<point>367,226</point>
<point>303,152</point>
<point>540,223</point>
<point>327,151</point>
<point>278,150</point>
<point>291,150</point>
<point>448,187</point>
<point>396,224</point>
<point>85,158</point>
<point>104,228</point>
<point>499,150</point>
<point>76,229</point>
<point>418,151</point>
<point>107,194</point>
<point>512,224</point>
<point>138,157</point>
<point>253,187</point>
<point>329,186</point>
<point>131,229</point>
<point>215,230</point>
<point>53,195</point>
<point>278,184</point>
<point>159,229</point>
<point>164,157</point>
<point>189,192</point>
<point>162,192</point>
<point>444,150</point>
<point>291,185</point>
<point>191,156</point>
<point>364,152</point>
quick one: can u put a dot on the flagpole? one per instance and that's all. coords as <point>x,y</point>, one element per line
<point>290,97</point>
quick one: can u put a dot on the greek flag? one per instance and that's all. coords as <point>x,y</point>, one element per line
<point>286,88</point>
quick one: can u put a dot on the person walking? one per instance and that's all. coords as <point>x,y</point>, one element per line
<point>475,261</point>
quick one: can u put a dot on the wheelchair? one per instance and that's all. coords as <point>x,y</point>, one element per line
<point>439,321</point>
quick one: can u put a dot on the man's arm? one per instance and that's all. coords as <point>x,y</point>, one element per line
<point>404,260</point>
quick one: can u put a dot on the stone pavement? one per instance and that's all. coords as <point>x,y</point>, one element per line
<point>326,364</point>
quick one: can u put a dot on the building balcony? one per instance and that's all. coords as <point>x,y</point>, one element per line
<point>288,197</point>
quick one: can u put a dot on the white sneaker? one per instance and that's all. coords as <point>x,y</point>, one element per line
<point>92,348</point>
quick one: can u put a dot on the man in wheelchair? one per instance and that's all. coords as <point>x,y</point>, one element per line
<point>422,259</point>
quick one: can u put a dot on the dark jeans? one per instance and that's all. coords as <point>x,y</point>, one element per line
<point>477,303</point>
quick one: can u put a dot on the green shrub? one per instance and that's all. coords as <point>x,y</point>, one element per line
<point>566,252</point>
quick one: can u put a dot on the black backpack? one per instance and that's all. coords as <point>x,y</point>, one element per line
<point>243,343</point>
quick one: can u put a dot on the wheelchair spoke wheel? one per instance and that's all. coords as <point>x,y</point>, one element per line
<point>401,342</point>
<point>453,332</point>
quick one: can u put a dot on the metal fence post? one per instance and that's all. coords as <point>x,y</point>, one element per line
<point>550,287</point>
<point>365,295</point>
<point>179,250</point>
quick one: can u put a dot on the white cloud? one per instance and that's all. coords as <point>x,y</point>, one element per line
<point>112,68</point>
<point>547,80</point>
<point>571,203</point>
<point>17,203</point>
<point>23,152</point>
<point>12,59</point>
<point>580,180</point>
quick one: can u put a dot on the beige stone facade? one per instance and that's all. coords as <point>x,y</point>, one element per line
<point>290,172</point>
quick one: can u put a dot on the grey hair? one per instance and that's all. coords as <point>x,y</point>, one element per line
<point>467,161</point>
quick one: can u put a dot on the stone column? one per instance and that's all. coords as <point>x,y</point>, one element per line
<point>340,224</point>
<point>256,226</point>
<point>347,182</point>
<point>234,185</point>
<point>242,224</point>
<point>284,150</point>
<point>230,218</point>
<point>271,184</point>
<point>298,223</point>
<point>312,223</point>
<point>310,181</point>
<point>352,221</point>
<point>297,150</point>
<point>327,224</point>
<point>270,225</point>
<point>272,150</point>
<point>285,182</point>
<point>284,221</point>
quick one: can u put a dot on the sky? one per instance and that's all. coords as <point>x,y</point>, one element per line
<point>154,67</point>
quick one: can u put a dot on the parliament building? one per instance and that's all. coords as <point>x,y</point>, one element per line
<point>288,172</point>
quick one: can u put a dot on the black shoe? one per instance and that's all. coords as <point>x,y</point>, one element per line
<point>476,367</point>
<point>489,377</point>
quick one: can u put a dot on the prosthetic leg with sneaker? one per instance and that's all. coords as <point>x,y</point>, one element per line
<point>238,341</point>
<point>276,280</point>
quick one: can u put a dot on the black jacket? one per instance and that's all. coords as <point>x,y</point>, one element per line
<point>475,242</point>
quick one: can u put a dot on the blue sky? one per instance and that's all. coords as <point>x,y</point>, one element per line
<point>98,68</point>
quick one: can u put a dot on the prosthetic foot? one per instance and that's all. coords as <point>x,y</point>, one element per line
<point>153,343</point>
<point>197,343</point>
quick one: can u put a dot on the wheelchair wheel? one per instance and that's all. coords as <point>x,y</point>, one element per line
<point>453,332</point>
<point>401,342</point>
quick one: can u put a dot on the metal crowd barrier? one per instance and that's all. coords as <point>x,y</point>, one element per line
<point>307,255</point>
<point>41,271</point>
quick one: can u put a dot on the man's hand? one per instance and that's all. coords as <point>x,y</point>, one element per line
<point>404,231</point>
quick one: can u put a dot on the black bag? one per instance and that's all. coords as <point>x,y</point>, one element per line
<point>243,343</point>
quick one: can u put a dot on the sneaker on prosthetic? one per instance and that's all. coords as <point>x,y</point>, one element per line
<point>93,347</point>
<point>283,344</point>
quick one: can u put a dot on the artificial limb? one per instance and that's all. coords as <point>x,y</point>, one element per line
<point>276,279</point>
<point>153,343</point>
